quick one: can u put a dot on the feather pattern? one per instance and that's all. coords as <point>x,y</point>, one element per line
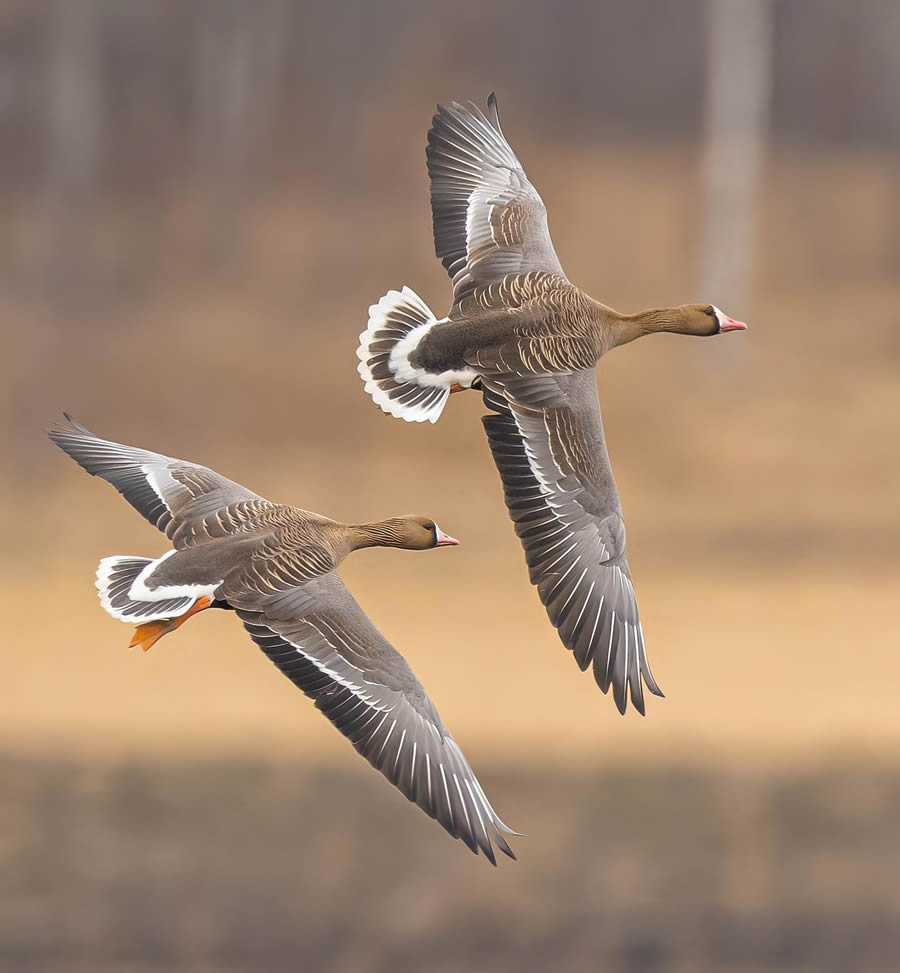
<point>562,499</point>
<point>321,639</point>
<point>535,323</point>
<point>186,501</point>
<point>489,221</point>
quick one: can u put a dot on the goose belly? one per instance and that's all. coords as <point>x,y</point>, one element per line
<point>192,572</point>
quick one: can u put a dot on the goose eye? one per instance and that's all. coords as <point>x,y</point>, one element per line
<point>428,525</point>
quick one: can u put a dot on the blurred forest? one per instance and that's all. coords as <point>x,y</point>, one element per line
<point>199,202</point>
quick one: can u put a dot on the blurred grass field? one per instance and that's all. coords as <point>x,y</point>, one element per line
<point>231,865</point>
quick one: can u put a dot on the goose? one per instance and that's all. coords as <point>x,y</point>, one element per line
<point>525,336</point>
<point>275,567</point>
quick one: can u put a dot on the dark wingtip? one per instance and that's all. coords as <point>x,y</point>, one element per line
<point>504,847</point>
<point>582,663</point>
<point>601,676</point>
<point>439,112</point>
<point>58,428</point>
<point>649,681</point>
<point>494,110</point>
<point>68,427</point>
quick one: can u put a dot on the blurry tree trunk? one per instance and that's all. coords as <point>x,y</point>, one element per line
<point>238,73</point>
<point>882,31</point>
<point>74,122</point>
<point>737,110</point>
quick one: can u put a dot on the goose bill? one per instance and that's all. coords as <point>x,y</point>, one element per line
<point>729,324</point>
<point>444,540</point>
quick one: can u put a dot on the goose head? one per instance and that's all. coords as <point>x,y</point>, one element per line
<point>422,533</point>
<point>704,320</point>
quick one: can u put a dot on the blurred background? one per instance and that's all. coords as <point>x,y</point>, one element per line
<point>199,202</point>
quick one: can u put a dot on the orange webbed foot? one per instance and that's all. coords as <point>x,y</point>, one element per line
<point>149,633</point>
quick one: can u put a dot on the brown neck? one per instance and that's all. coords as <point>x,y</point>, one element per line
<point>383,533</point>
<point>627,327</point>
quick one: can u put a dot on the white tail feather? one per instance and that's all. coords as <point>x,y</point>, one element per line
<point>397,323</point>
<point>115,577</point>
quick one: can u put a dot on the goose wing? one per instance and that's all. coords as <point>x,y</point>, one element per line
<point>562,498</point>
<point>321,639</point>
<point>188,502</point>
<point>489,221</point>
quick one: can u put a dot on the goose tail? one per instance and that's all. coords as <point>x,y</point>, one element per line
<point>397,323</point>
<point>115,577</point>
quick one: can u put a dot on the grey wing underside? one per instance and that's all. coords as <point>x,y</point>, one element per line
<point>172,494</point>
<point>563,502</point>
<point>321,639</point>
<point>489,221</point>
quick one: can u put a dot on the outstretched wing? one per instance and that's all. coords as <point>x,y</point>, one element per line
<point>489,221</point>
<point>323,641</point>
<point>176,496</point>
<point>561,496</point>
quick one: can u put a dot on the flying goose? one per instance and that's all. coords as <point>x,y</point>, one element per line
<point>275,566</point>
<point>519,331</point>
